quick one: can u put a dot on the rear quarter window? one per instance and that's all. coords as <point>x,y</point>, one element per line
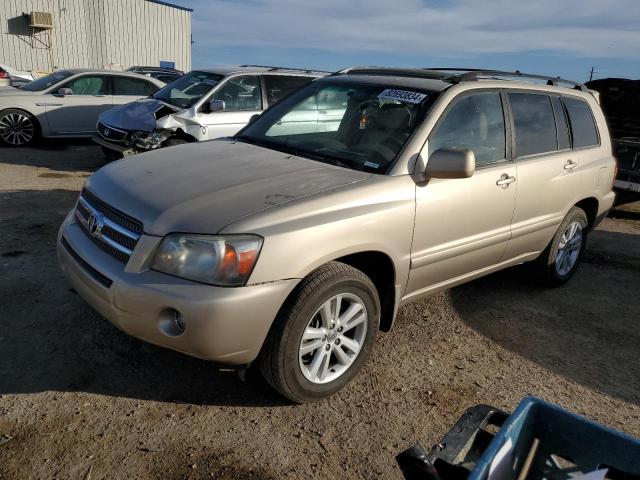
<point>583,126</point>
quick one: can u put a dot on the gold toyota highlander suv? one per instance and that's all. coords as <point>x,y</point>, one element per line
<point>294,242</point>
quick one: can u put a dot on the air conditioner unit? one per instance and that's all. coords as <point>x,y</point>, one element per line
<point>40,20</point>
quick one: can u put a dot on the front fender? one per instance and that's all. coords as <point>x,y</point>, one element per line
<point>299,236</point>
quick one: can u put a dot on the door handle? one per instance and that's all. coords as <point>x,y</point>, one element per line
<point>505,180</point>
<point>570,165</point>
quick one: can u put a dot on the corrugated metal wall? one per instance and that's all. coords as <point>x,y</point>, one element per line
<point>95,34</point>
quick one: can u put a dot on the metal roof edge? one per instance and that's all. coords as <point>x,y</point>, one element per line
<point>172,5</point>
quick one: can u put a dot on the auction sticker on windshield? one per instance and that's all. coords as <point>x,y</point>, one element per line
<point>405,96</point>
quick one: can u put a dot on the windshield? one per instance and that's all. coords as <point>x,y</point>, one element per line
<point>188,89</point>
<point>359,126</point>
<point>46,82</point>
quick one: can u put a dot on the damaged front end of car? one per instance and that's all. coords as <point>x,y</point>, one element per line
<point>149,141</point>
<point>138,127</point>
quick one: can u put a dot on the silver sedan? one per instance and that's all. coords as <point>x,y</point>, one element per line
<point>66,103</point>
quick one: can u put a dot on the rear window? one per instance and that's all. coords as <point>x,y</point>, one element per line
<point>583,127</point>
<point>534,123</point>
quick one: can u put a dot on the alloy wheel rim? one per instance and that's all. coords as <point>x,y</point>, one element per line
<point>333,338</point>
<point>16,129</point>
<point>569,248</point>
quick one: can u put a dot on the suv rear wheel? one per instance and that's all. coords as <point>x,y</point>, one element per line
<point>560,259</point>
<point>323,334</point>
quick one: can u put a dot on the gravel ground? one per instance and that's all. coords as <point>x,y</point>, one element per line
<point>79,399</point>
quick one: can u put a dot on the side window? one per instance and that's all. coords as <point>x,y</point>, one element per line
<point>241,94</point>
<point>89,85</point>
<point>534,123</point>
<point>583,128</point>
<point>131,86</point>
<point>475,122</point>
<point>321,112</point>
<point>278,86</point>
<point>564,140</point>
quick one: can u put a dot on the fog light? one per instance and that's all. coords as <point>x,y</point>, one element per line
<point>171,322</point>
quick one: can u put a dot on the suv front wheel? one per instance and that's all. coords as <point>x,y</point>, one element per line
<point>560,259</point>
<point>322,335</point>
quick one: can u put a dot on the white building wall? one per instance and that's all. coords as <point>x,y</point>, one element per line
<point>95,34</point>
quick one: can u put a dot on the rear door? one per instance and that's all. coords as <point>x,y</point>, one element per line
<point>77,114</point>
<point>128,89</point>
<point>548,170</point>
<point>242,96</point>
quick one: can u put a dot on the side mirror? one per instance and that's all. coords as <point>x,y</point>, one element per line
<point>64,92</point>
<point>451,163</point>
<point>215,106</point>
<point>253,118</point>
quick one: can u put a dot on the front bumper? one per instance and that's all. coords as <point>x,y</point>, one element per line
<point>226,325</point>
<point>627,185</point>
<point>116,147</point>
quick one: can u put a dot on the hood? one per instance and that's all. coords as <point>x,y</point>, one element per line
<point>139,115</point>
<point>203,187</point>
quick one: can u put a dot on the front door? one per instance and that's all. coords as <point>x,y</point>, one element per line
<point>242,98</point>
<point>77,113</point>
<point>463,225</point>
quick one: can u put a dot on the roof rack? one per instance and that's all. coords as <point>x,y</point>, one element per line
<point>462,75</point>
<point>470,74</point>
<point>405,72</point>
<point>271,68</point>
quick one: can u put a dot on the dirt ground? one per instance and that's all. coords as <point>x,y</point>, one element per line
<point>79,399</point>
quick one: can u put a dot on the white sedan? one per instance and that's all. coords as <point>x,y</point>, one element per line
<point>66,103</point>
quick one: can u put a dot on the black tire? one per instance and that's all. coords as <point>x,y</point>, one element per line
<point>545,265</point>
<point>111,154</point>
<point>279,359</point>
<point>29,127</point>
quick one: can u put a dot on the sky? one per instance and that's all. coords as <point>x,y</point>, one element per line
<point>551,37</point>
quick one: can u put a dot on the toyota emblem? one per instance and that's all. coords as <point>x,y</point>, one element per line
<point>95,225</point>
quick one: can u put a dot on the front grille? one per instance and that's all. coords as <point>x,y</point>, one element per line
<point>111,133</point>
<point>112,214</point>
<point>111,230</point>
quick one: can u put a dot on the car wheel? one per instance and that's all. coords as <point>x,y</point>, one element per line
<point>17,128</point>
<point>560,259</point>
<point>323,334</point>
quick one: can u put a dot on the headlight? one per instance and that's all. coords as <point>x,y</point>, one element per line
<point>225,260</point>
